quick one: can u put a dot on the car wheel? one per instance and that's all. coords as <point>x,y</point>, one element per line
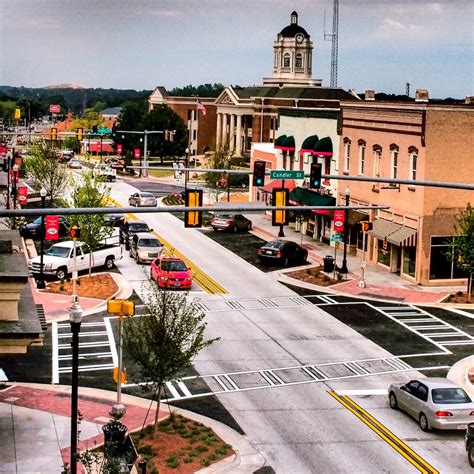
<point>393,401</point>
<point>423,421</point>
<point>109,263</point>
<point>61,273</point>
<point>286,261</point>
<point>235,229</point>
<point>305,257</point>
<point>137,260</point>
<point>249,226</point>
<point>470,455</point>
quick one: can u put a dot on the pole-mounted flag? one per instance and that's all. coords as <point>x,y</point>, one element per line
<point>201,108</point>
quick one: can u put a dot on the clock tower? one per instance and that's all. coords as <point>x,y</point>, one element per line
<point>292,57</point>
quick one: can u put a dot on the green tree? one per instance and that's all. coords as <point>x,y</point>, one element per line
<point>463,245</point>
<point>165,341</point>
<point>220,159</point>
<point>42,163</point>
<point>90,191</point>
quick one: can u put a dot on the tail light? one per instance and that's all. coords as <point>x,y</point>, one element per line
<point>259,252</point>
<point>278,254</point>
<point>443,413</point>
<point>228,222</point>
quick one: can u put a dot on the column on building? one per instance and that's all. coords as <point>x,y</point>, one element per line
<point>219,131</point>
<point>232,133</point>
<point>238,150</point>
<point>224,141</point>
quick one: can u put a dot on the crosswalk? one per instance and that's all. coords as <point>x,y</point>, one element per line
<point>96,348</point>
<point>426,325</point>
<point>203,386</point>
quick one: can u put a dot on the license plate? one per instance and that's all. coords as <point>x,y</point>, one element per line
<point>268,252</point>
<point>461,427</point>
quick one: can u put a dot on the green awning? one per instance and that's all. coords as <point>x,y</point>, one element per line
<point>307,197</point>
<point>309,144</point>
<point>288,143</point>
<point>279,141</point>
<point>323,147</point>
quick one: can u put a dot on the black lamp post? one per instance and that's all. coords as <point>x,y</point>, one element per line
<point>186,173</point>
<point>75,318</point>
<point>40,283</point>
<point>9,163</point>
<point>14,190</point>
<point>344,268</point>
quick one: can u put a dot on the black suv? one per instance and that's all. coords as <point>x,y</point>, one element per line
<point>33,229</point>
<point>129,228</point>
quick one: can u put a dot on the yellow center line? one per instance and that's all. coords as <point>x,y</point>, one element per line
<point>384,433</point>
<point>202,279</point>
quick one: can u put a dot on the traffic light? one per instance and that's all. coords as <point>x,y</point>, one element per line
<point>75,233</point>
<point>193,198</point>
<point>259,173</point>
<point>366,226</point>
<point>80,134</point>
<point>114,131</point>
<point>94,129</point>
<point>54,134</point>
<point>280,197</point>
<point>123,378</point>
<point>169,135</point>
<point>315,175</point>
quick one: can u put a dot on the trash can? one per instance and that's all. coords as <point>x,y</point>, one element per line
<point>328,264</point>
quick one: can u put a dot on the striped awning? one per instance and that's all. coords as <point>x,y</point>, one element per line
<point>323,147</point>
<point>279,141</point>
<point>309,144</point>
<point>396,234</point>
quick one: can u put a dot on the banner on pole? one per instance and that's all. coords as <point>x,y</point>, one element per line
<point>339,220</point>
<point>52,227</point>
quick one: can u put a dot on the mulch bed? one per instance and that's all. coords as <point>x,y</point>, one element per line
<point>313,276</point>
<point>100,286</point>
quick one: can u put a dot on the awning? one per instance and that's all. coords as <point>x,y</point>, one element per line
<point>279,141</point>
<point>308,144</point>
<point>324,212</point>
<point>323,147</point>
<point>288,144</point>
<point>405,236</point>
<point>277,183</point>
<point>355,217</point>
<point>396,234</point>
<point>307,197</point>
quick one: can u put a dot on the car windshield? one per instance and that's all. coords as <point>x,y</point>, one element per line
<point>138,228</point>
<point>62,252</point>
<point>224,216</point>
<point>149,243</point>
<point>447,396</point>
<point>173,266</point>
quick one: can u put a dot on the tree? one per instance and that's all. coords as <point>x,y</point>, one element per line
<point>463,245</point>
<point>43,164</point>
<point>90,191</point>
<point>220,159</point>
<point>164,342</point>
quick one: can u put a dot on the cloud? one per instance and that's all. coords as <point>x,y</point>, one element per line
<point>40,24</point>
<point>156,13</point>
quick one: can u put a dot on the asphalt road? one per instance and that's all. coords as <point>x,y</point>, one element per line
<point>299,428</point>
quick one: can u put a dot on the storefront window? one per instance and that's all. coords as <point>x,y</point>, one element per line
<point>409,261</point>
<point>383,255</point>
<point>442,266</point>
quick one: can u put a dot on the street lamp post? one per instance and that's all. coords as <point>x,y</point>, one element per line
<point>344,270</point>
<point>15,171</point>
<point>9,163</point>
<point>186,173</point>
<point>40,283</point>
<point>75,318</point>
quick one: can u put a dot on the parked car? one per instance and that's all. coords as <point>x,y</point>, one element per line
<point>145,247</point>
<point>435,402</point>
<point>231,222</point>
<point>115,220</point>
<point>171,272</point>
<point>129,228</point>
<point>74,164</point>
<point>282,252</point>
<point>58,261</point>
<point>33,229</point>
<point>66,156</point>
<point>142,199</point>
<point>469,442</point>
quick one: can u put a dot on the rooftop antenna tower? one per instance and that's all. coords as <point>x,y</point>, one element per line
<point>408,89</point>
<point>333,37</point>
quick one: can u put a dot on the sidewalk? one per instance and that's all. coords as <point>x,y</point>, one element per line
<point>380,283</point>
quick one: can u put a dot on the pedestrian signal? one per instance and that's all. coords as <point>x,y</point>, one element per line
<point>280,197</point>
<point>123,378</point>
<point>366,226</point>
<point>80,134</point>
<point>193,198</point>
<point>75,233</point>
<point>259,173</point>
<point>315,176</point>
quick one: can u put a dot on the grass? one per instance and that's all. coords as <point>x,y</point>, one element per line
<point>160,173</point>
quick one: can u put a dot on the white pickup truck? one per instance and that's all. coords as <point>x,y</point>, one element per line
<point>58,261</point>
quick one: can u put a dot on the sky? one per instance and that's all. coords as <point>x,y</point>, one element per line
<point>141,44</point>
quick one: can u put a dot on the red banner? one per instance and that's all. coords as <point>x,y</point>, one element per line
<point>22,195</point>
<point>339,221</point>
<point>98,146</point>
<point>54,108</point>
<point>52,227</point>
<point>13,174</point>
<point>119,149</point>
<point>136,153</point>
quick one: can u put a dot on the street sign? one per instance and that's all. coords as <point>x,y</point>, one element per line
<point>336,237</point>
<point>284,174</point>
<point>54,108</point>
<point>103,130</point>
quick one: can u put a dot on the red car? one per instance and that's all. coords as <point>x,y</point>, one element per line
<point>171,272</point>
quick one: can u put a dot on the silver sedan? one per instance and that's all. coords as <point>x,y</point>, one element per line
<point>434,402</point>
<point>142,199</point>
